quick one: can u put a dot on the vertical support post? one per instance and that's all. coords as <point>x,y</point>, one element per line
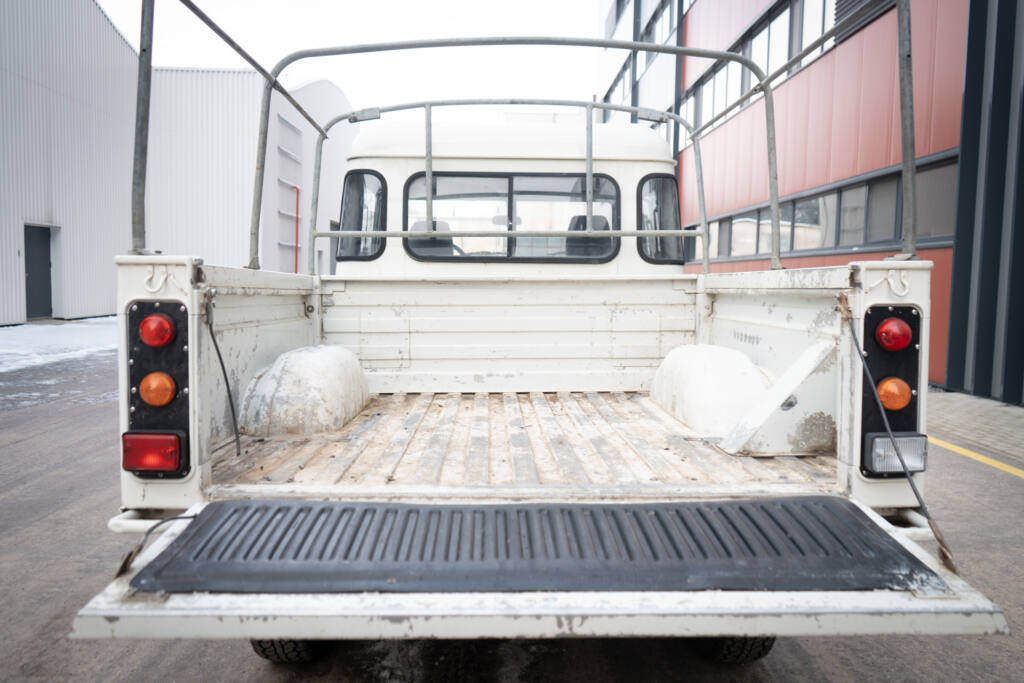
<point>590,167</point>
<point>314,205</point>
<point>257,190</point>
<point>699,164</point>
<point>429,173</point>
<point>296,268</point>
<point>142,129</point>
<point>907,129</point>
<point>773,174</point>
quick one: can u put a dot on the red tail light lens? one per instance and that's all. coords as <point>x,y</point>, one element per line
<point>151,452</point>
<point>894,334</point>
<point>156,330</point>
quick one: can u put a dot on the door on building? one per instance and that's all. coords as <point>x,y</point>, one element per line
<point>38,291</point>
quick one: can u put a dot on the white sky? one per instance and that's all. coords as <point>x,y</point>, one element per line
<point>270,29</point>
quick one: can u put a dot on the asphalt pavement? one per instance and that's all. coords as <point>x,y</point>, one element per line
<point>59,485</point>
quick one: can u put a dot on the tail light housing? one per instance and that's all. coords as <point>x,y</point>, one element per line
<point>156,444</point>
<point>892,347</point>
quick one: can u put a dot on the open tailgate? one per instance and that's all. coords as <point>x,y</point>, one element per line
<point>809,565</point>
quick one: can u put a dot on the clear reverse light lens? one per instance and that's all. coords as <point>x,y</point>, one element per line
<point>880,456</point>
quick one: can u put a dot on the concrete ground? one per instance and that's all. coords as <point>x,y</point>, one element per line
<point>58,486</point>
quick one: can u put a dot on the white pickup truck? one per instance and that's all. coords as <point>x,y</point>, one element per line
<point>465,434</point>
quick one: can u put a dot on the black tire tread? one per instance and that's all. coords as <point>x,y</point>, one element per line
<point>737,651</point>
<point>285,651</point>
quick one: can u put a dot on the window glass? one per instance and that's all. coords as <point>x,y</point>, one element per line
<point>778,43</point>
<point>814,22</point>
<point>707,101</point>
<point>814,222</point>
<point>936,201</point>
<point>363,199</point>
<point>724,236</point>
<point>734,82</point>
<point>659,210</point>
<point>764,238</point>
<point>852,203</point>
<point>744,234</point>
<point>881,224</point>
<point>721,90</point>
<point>759,49</point>
<point>538,203</point>
<point>712,239</point>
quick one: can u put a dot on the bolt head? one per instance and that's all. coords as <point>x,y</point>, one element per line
<point>135,307</point>
<point>182,309</point>
<point>156,304</point>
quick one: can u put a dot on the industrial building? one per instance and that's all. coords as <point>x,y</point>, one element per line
<point>838,130</point>
<point>67,118</point>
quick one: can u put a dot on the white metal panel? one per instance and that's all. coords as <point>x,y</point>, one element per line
<point>67,103</point>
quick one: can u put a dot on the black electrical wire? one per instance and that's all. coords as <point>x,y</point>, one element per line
<point>945,553</point>
<point>227,384</point>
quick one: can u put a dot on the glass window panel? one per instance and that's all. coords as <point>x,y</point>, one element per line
<point>851,220</point>
<point>814,222</point>
<point>764,238</point>
<point>362,208</point>
<point>744,234</point>
<point>778,44</point>
<point>721,90</point>
<point>659,210</point>
<point>813,22</point>
<point>546,203</point>
<point>759,49</point>
<point>724,236</point>
<point>713,238</point>
<point>881,224</point>
<point>734,82</point>
<point>936,201</point>
<point>707,101</point>
<point>460,204</point>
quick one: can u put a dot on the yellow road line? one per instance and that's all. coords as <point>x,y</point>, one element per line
<point>978,456</point>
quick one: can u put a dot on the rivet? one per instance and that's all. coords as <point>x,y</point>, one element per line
<point>135,307</point>
<point>185,391</point>
<point>891,308</point>
<point>156,304</point>
<point>131,409</point>
<point>134,390</point>
<point>913,311</point>
<point>182,309</point>
<point>185,348</point>
<point>917,346</point>
<point>913,392</point>
<point>131,362</point>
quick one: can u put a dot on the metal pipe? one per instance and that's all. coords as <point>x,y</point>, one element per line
<point>314,203</point>
<point>907,130</point>
<point>403,234</point>
<point>706,248</point>
<point>773,178</point>
<point>142,129</point>
<point>296,269</point>
<point>590,167</point>
<point>428,174</point>
<point>261,151</point>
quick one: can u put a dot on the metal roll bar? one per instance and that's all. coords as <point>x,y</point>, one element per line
<point>763,84</point>
<point>375,113</point>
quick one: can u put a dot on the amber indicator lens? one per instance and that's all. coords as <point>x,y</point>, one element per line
<point>157,389</point>
<point>150,452</point>
<point>894,334</point>
<point>894,392</point>
<point>156,330</point>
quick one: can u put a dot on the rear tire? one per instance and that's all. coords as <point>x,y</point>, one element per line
<point>287,651</point>
<point>735,651</point>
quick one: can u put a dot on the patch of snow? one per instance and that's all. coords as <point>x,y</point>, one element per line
<point>33,344</point>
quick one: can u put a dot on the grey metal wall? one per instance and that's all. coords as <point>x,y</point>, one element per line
<point>986,336</point>
<point>67,96</point>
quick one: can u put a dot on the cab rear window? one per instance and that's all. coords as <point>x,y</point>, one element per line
<point>464,204</point>
<point>657,205</point>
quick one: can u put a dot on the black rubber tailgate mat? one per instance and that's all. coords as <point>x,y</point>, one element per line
<point>800,543</point>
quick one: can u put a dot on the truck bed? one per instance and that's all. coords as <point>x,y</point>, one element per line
<point>566,445</point>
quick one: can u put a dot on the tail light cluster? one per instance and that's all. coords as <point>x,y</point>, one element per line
<point>156,443</point>
<point>892,344</point>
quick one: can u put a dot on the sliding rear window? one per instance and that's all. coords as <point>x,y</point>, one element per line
<point>466,203</point>
<point>657,208</point>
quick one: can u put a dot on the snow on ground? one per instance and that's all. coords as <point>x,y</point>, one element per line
<point>32,344</point>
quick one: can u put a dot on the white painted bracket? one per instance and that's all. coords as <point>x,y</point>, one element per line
<point>778,392</point>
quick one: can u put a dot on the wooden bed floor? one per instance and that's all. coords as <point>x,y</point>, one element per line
<point>532,441</point>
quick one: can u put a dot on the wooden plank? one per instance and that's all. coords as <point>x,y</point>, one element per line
<point>649,443</point>
<point>279,451</point>
<point>643,471</point>
<point>568,463</point>
<point>381,467</point>
<point>476,452</point>
<point>453,469</point>
<point>523,466</point>
<point>499,465</point>
<point>548,471</point>
<point>617,467</point>
<point>431,458</point>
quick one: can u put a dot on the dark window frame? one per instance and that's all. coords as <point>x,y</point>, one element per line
<point>614,227</point>
<point>639,218</point>
<point>383,218</point>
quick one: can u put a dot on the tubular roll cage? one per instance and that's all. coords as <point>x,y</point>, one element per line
<point>762,83</point>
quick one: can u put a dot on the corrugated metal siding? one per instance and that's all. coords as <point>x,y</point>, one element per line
<point>839,117</point>
<point>202,152</point>
<point>987,329</point>
<point>67,96</point>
